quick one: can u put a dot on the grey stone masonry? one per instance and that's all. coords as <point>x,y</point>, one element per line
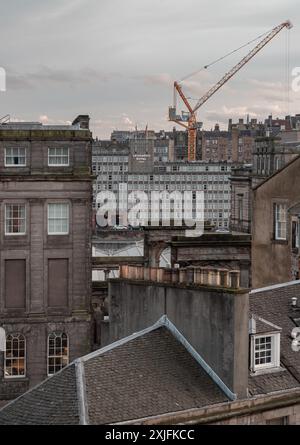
<point>53,295</point>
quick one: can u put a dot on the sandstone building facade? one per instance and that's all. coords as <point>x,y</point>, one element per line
<point>45,250</point>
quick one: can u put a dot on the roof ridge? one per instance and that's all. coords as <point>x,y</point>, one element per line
<point>160,323</point>
<point>200,360</point>
<point>274,286</point>
<point>263,320</point>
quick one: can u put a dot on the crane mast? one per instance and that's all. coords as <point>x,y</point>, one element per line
<point>189,119</point>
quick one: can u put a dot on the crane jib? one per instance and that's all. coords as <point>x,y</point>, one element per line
<point>192,123</point>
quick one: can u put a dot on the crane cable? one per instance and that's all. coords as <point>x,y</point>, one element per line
<point>287,72</point>
<point>223,57</point>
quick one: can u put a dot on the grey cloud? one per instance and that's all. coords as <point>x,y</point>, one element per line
<point>47,76</point>
<point>111,57</point>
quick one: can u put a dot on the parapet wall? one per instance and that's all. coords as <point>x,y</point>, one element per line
<point>189,275</point>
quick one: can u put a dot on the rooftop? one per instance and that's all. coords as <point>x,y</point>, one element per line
<point>156,372</point>
<point>273,304</point>
<point>81,123</point>
<point>149,373</point>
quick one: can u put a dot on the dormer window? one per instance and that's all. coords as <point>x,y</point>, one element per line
<point>265,351</point>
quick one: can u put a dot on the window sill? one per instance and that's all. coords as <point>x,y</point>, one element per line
<point>11,235</point>
<point>15,379</point>
<point>58,234</point>
<point>263,371</point>
<point>279,241</point>
<point>59,166</point>
<point>15,166</point>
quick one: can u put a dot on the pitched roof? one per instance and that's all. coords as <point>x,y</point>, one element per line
<point>147,374</point>
<point>52,402</point>
<point>273,304</point>
<point>262,326</point>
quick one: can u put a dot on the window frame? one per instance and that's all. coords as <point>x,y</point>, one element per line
<point>57,334</point>
<point>15,165</point>
<point>275,352</point>
<point>58,233</point>
<point>58,156</point>
<point>10,377</point>
<point>297,234</point>
<point>5,219</point>
<point>276,221</point>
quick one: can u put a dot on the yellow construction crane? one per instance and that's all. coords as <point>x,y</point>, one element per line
<point>188,119</point>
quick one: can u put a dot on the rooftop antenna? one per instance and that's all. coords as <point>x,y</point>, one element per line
<point>5,119</point>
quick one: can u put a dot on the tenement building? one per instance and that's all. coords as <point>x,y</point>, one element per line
<point>271,153</point>
<point>241,198</point>
<point>45,250</point>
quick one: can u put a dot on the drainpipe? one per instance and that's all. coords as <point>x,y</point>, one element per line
<point>2,348</point>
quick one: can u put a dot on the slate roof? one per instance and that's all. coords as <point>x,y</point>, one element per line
<point>273,304</point>
<point>150,374</point>
<point>263,326</point>
<point>53,402</point>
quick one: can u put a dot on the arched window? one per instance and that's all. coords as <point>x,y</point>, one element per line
<point>15,364</point>
<point>58,352</point>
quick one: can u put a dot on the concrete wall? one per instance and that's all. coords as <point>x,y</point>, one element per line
<point>214,321</point>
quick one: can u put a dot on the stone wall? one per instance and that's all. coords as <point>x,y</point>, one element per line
<point>214,321</point>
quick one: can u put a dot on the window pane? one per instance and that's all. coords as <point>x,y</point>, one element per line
<point>263,351</point>
<point>15,218</point>
<point>58,156</point>
<point>15,347</point>
<point>58,218</point>
<point>15,156</point>
<point>58,356</point>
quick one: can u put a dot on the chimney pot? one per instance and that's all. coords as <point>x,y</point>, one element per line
<point>294,301</point>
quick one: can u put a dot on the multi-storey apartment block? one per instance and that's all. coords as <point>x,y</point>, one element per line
<point>111,166</point>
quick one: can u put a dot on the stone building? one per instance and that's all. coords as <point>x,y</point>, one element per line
<point>183,353</point>
<point>216,250</point>
<point>241,198</point>
<point>111,164</point>
<point>270,154</point>
<point>275,231</point>
<point>216,145</point>
<point>45,250</point>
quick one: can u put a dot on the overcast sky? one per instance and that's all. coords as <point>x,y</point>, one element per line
<point>116,59</point>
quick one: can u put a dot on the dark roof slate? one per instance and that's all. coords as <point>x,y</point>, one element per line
<point>274,305</point>
<point>151,375</point>
<point>54,402</point>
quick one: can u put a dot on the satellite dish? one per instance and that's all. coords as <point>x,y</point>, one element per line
<point>2,340</point>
